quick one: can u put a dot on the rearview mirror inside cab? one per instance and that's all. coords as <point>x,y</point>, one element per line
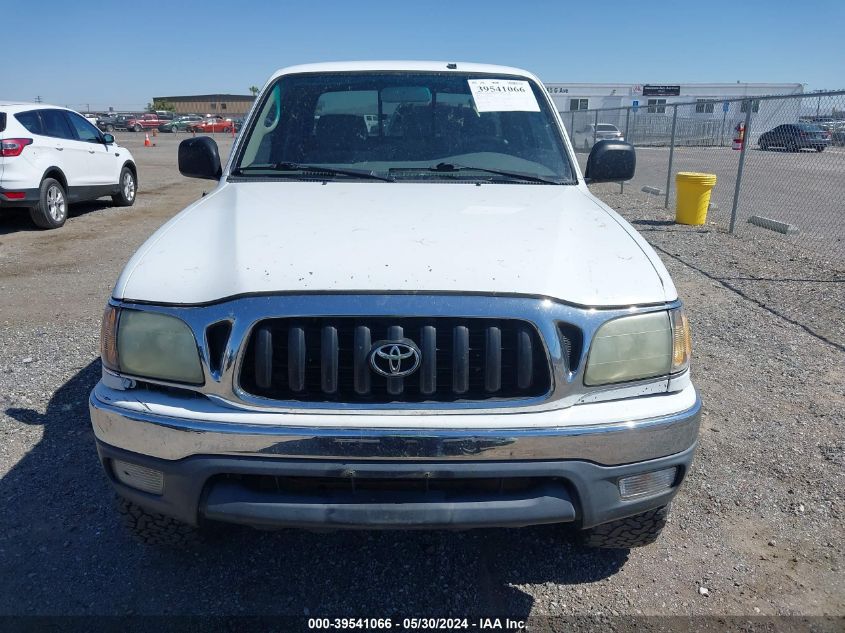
<point>611,161</point>
<point>406,94</point>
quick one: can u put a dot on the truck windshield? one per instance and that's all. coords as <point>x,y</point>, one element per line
<point>403,126</point>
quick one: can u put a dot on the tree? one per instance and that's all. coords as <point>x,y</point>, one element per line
<point>254,90</point>
<point>159,104</point>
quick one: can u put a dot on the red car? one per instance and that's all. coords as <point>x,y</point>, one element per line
<point>211,125</point>
<point>144,122</point>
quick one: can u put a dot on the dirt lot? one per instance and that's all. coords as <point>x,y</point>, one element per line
<point>759,523</point>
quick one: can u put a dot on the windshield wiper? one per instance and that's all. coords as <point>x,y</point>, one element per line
<point>312,169</point>
<point>446,168</point>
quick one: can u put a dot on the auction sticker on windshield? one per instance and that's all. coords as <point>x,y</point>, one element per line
<point>503,95</point>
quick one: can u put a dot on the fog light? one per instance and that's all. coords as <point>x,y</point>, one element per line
<point>646,484</point>
<point>140,477</point>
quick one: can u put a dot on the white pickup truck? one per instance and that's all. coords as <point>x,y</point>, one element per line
<point>432,324</point>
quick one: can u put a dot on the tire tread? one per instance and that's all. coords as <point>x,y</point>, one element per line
<point>635,531</point>
<point>39,215</point>
<point>156,529</point>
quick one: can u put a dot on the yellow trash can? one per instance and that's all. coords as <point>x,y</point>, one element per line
<point>693,196</point>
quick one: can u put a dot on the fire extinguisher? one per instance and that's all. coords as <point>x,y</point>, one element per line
<point>739,137</point>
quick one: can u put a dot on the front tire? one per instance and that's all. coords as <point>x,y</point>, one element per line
<point>51,210</point>
<point>128,189</point>
<point>636,531</point>
<point>137,128</point>
<point>157,529</point>
<point>109,128</point>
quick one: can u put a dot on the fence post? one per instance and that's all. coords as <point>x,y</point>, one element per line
<point>627,140</point>
<point>627,122</point>
<point>596,127</point>
<point>671,156</point>
<point>746,139</point>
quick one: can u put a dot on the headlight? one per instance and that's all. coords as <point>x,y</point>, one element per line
<point>150,344</point>
<point>639,346</point>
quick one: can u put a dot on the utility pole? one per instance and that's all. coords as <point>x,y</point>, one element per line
<point>38,99</point>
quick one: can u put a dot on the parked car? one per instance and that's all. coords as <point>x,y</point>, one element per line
<point>144,122</point>
<point>180,123</point>
<point>113,122</point>
<point>837,137</point>
<point>795,137</point>
<point>51,157</point>
<point>592,133</point>
<point>211,125</point>
<point>825,124</point>
<point>499,348</point>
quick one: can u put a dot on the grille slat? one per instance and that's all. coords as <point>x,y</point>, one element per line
<point>264,357</point>
<point>493,360</point>
<point>296,358</point>
<point>524,359</point>
<point>428,368</point>
<point>360,369</point>
<point>460,359</point>
<point>327,359</point>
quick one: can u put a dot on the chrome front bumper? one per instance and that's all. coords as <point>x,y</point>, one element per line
<point>146,431</point>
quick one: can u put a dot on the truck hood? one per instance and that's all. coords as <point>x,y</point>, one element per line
<point>264,237</point>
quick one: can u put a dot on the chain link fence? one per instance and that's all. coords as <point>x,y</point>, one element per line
<point>785,179</point>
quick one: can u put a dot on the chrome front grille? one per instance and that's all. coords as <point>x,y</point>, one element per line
<point>331,359</point>
<point>226,336</point>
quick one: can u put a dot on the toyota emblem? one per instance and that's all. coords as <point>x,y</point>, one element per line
<point>394,359</point>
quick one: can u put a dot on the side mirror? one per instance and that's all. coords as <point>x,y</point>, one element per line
<point>611,161</point>
<point>108,139</point>
<point>199,158</point>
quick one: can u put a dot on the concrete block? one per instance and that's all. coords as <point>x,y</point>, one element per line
<point>773,225</point>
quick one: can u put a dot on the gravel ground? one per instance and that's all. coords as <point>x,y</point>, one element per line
<point>758,523</point>
<point>804,189</point>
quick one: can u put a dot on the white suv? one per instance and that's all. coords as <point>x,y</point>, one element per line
<point>52,156</point>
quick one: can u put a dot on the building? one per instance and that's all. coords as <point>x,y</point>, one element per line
<point>646,112</point>
<point>223,104</point>
<point>568,97</point>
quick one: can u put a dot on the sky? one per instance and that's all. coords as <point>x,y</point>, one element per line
<point>122,54</point>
